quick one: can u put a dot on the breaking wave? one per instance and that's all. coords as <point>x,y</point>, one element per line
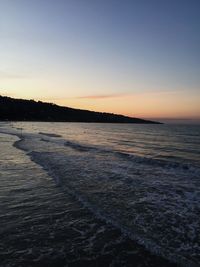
<point>135,158</point>
<point>153,202</point>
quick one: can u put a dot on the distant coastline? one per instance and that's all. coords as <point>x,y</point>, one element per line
<point>12,109</point>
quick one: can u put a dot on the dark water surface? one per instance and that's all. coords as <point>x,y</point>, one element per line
<point>99,195</point>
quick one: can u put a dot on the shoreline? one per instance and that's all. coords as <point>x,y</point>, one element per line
<point>15,144</point>
<point>40,158</point>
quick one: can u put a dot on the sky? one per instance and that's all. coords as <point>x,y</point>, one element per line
<point>139,58</point>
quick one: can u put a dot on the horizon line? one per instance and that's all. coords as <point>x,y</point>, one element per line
<point>107,96</point>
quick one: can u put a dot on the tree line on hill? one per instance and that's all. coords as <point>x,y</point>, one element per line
<point>12,109</point>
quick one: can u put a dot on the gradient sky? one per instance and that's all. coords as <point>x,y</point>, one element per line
<point>139,58</point>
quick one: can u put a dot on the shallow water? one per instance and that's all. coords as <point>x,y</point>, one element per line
<point>100,194</point>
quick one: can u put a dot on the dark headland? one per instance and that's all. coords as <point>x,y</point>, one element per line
<point>12,109</point>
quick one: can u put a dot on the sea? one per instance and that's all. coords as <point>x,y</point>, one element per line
<point>88,194</point>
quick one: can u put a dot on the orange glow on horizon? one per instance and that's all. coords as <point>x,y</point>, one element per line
<point>160,105</point>
<point>139,105</point>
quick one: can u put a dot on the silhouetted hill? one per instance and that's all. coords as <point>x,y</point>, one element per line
<point>12,109</point>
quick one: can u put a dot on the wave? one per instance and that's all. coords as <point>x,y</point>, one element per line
<point>152,201</point>
<point>50,134</point>
<point>156,211</point>
<point>80,147</point>
<point>135,158</point>
<point>108,214</point>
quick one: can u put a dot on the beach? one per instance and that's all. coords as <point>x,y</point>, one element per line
<point>68,200</point>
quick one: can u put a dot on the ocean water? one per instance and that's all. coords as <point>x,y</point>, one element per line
<point>78,194</point>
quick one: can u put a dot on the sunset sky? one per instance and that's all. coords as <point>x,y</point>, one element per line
<point>138,58</point>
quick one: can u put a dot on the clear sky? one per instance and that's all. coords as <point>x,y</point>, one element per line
<point>139,58</point>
